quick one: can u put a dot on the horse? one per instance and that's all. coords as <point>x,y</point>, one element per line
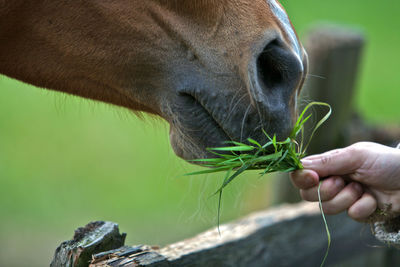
<point>215,70</point>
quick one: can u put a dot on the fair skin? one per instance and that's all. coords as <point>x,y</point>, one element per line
<point>359,178</point>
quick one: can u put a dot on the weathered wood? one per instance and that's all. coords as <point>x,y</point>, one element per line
<point>358,130</point>
<point>130,256</point>
<point>291,235</point>
<point>95,237</point>
<point>334,57</point>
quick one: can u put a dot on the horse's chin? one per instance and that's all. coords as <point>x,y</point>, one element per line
<point>188,147</point>
<point>182,147</point>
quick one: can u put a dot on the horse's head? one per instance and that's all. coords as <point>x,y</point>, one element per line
<point>215,70</point>
<point>236,69</point>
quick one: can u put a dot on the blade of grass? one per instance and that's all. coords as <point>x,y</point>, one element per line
<point>209,171</point>
<point>234,148</point>
<point>220,201</point>
<point>254,142</point>
<point>328,233</point>
<point>208,160</point>
<point>233,176</point>
<point>327,115</point>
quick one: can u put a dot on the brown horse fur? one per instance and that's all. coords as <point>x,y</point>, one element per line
<point>216,70</point>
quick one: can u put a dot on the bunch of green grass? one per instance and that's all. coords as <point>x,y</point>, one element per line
<point>273,156</point>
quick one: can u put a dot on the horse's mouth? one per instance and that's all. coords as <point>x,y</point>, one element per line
<point>206,120</point>
<point>194,129</point>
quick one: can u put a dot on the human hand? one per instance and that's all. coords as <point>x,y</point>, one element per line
<point>358,178</point>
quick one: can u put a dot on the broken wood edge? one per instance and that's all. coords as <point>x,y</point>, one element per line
<point>93,238</point>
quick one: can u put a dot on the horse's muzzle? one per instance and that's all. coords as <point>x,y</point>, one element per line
<point>209,113</point>
<point>276,75</point>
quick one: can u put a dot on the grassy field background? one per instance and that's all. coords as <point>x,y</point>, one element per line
<point>65,161</point>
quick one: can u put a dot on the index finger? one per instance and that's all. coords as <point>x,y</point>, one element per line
<point>336,162</point>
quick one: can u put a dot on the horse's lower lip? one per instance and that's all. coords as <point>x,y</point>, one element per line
<point>193,124</point>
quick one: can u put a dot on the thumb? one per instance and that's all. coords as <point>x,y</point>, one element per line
<point>335,162</point>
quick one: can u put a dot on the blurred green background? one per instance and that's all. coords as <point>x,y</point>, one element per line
<point>65,161</point>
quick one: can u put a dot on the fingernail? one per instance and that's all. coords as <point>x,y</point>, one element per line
<point>306,163</point>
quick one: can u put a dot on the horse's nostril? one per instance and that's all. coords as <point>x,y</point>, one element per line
<point>275,78</point>
<point>268,67</point>
<point>278,68</point>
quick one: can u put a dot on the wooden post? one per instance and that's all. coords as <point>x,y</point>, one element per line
<point>334,58</point>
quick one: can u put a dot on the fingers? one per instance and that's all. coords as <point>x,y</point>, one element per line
<point>363,207</point>
<point>343,200</point>
<point>335,194</point>
<point>329,189</point>
<point>304,179</point>
<point>335,162</point>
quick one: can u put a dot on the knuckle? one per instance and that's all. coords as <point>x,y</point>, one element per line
<point>306,195</point>
<point>352,197</point>
<point>329,190</point>
<point>352,192</point>
<point>303,195</point>
<point>325,160</point>
<point>355,213</point>
<point>354,149</point>
<point>330,193</point>
<point>357,148</point>
<point>330,209</point>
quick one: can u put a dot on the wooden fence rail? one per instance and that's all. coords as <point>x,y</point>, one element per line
<point>290,235</point>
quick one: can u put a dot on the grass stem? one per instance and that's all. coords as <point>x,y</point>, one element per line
<point>328,233</point>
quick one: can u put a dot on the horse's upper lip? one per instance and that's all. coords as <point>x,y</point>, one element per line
<point>215,120</point>
<point>201,111</point>
<point>193,128</point>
